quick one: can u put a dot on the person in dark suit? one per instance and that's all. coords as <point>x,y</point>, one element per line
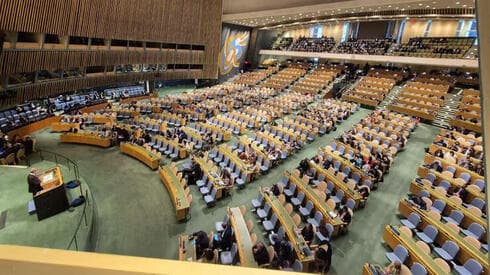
<point>34,182</point>
<point>323,257</point>
<point>201,241</point>
<point>308,233</point>
<point>226,238</point>
<point>260,253</point>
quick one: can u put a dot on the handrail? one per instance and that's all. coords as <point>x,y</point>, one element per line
<point>44,154</point>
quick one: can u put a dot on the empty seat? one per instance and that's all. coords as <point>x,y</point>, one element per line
<point>428,235</point>
<point>412,220</point>
<point>400,254</point>
<point>447,251</point>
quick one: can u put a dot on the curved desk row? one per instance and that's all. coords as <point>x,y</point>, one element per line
<point>176,190</point>
<point>85,139</point>
<point>140,153</point>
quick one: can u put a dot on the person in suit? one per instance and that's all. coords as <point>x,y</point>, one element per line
<point>201,241</point>
<point>308,233</point>
<point>323,257</point>
<point>346,217</point>
<point>260,253</point>
<point>226,237</point>
<point>34,182</point>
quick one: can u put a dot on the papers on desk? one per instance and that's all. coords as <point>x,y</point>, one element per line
<point>332,214</point>
<point>48,177</point>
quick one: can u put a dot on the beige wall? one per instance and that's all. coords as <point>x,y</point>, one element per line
<point>443,28</point>
<point>334,30</point>
<point>414,28</point>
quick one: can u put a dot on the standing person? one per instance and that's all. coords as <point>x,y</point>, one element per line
<point>323,257</point>
<point>34,182</point>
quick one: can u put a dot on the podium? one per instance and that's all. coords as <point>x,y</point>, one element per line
<point>52,199</point>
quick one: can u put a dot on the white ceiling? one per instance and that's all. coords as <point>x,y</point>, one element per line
<point>259,13</point>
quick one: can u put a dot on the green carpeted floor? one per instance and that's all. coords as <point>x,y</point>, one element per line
<point>136,216</point>
<point>24,229</point>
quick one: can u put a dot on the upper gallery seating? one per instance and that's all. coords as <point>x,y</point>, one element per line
<point>317,80</point>
<point>308,44</point>
<point>420,99</point>
<point>370,90</point>
<point>469,114</point>
<point>282,43</point>
<point>365,46</point>
<point>21,115</point>
<point>443,47</point>
<point>125,92</point>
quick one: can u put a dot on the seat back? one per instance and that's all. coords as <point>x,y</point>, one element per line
<point>477,229</point>
<point>401,252</point>
<point>431,232</point>
<point>418,269</point>
<point>473,266</point>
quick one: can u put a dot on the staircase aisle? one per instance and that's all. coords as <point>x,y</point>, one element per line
<point>390,97</point>
<point>446,113</point>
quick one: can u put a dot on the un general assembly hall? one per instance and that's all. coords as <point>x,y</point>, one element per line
<point>244,137</point>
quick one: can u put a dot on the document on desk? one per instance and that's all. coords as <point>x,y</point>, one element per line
<point>48,177</point>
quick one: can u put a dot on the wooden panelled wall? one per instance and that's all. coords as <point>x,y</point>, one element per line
<point>194,22</point>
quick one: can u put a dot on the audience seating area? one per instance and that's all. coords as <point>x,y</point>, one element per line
<point>125,92</point>
<point>21,115</point>
<point>420,99</point>
<point>317,80</point>
<point>370,91</point>
<point>308,44</point>
<point>435,47</point>
<point>468,115</point>
<point>364,46</point>
<point>443,220</point>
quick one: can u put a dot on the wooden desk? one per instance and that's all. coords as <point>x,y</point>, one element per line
<point>50,178</point>
<point>298,242</point>
<point>349,193</point>
<point>465,124</point>
<point>59,127</point>
<point>213,176</point>
<point>344,162</point>
<point>469,217</point>
<point>242,237</point>
<point>434,147</point>
<point>187,249</point>
<point>320,205</point>
<point>85,139</point>
<point>429,159</point>
<point>176,191</point>
<point>140,153</point>
<point>412,112</point>
<point>467,251</point>
<point>392,239</point>
<point>245,168</point>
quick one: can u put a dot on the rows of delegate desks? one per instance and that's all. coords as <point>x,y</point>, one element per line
<point>393,237</point>
<point>211,171</point>
<point>244,167</point>
<point>329,214</point>
<point>187,248</point>
<point>88,139</point>
<point>423,171</point>
<point>140,153</point>
<point>301,249</point>
<point>242,237</point>
<point>348,191</point>
<point>469,217</point>
<point>466,252</point>
<point>177,192</point>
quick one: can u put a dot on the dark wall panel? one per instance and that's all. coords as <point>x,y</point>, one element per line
<point>375,29</point>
